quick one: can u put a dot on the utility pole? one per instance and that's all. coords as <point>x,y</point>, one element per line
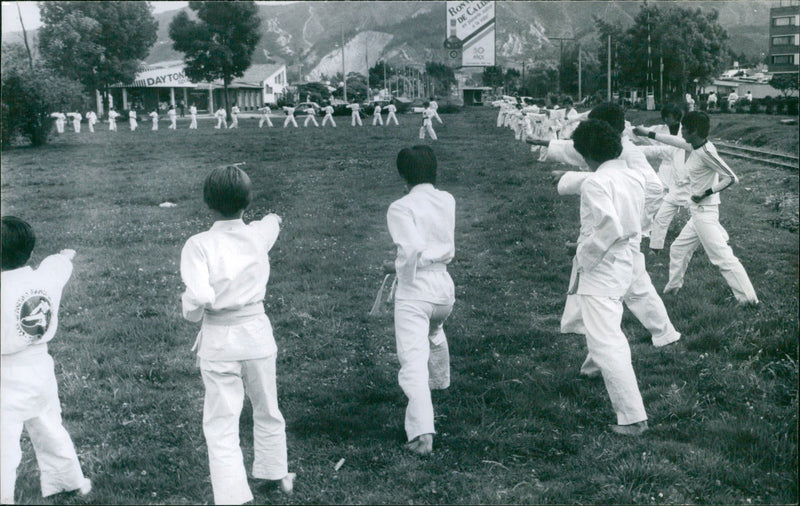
<point>580,80</point>
<point>560,58</point>
<point>384,75</point>
<point>523,75</point>
<point>344,74</point>
<point>608,69</point>
<point>366,57</point>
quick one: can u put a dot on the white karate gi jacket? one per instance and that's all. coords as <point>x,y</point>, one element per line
<point>612,204</point>
<point>225,270</point>
<point>563,151</point>
<point>30,302</point>
<point>422,226</point>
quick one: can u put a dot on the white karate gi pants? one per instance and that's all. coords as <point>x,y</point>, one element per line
<point>642,300</point>
<point>610,353</point>
<point>500,117</point>
<point>173,124</point>
<point>76,125</point>
<point>355,118</point>
<point>226,384</point>
<point>221,123</point>
<point>112,125</point>
<point>193,124</point>
<point>289,119</point>
<point>376,119</point>
<point>133,123</point>
<point>311,119</point>
<point>263,120</point>
<point>327,118</point>
<point>60,126</point>
<point>234,121</point>
<point>91,127</point>
<point>390,117</point>
<point>427,126</point>
<point>703,228</point>
<point>436,115</point>
<point>155,126</point>
<point>424,359</point>
<point>29,400</point>
<point>661,222</point>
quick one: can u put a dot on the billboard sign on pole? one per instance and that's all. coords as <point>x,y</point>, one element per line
<point>471,32</point>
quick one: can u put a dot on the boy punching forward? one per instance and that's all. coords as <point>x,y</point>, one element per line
<point>28,387</point>
<point>226,270</point>
<point>708,176</point>
<point>422,226</point>
<point>612,203</point>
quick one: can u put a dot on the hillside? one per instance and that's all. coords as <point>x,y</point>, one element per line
<point>410,33</point>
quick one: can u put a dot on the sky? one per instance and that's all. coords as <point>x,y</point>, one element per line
<point>30,13</point>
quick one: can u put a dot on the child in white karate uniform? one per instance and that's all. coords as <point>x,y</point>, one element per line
<point>265,111</point>
<point>427,124</point>
<point>310,117</point>
<point>391,109</point>
<point>234,116</point>
<point>193,115</point>
<point>28,387</point>
<point>672,172</point>
<point>376,116</point>
<point>226,270</point>
<point>76,121</point>
<point>112,120</point>
<point>131,120</point>
<point>222,118</point>
<point>289,116</point>
<point>708,176</point>
<point>422,226</point>
<point>355,116</point>
<point>91,119</point>
<point>154,118</point>
<point>612,203</point>
<point>641,298</point>
<point>60,117</point>
<point>435,109</point>
<point>173,118</point>
<point>328,110</point>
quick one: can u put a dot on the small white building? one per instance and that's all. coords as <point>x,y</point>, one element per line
<point>162,84</point>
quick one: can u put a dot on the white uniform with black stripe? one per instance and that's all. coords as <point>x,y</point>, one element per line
<point>705,167</point>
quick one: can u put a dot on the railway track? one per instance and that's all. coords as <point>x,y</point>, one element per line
<point>758,155</point>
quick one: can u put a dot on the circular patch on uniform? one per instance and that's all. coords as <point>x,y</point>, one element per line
<point>34,316</point>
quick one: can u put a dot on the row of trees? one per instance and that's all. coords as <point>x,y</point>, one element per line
<point>83,48</point>
<point>690,43</point>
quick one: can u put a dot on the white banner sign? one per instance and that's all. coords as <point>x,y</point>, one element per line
<point>470,32</point>
<point>162,78</point>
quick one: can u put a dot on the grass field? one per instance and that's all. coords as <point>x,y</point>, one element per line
<point>518,424</point>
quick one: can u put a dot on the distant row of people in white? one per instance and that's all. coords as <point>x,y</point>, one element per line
<point>712,100</point>
<point>222,117</point>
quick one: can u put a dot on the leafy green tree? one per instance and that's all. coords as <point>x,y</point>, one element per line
<point>31,92</point>
<point>540,79</point>
<point>377,73</point>
<point>493,76</point>
<point>441,76</point>
<point>220,44</point>
<point>786,83</point>
<point>511,79</point>
<point>356,87</point>
<point>96,43</point>
<point>317,91</point>
<point>691,42</point>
